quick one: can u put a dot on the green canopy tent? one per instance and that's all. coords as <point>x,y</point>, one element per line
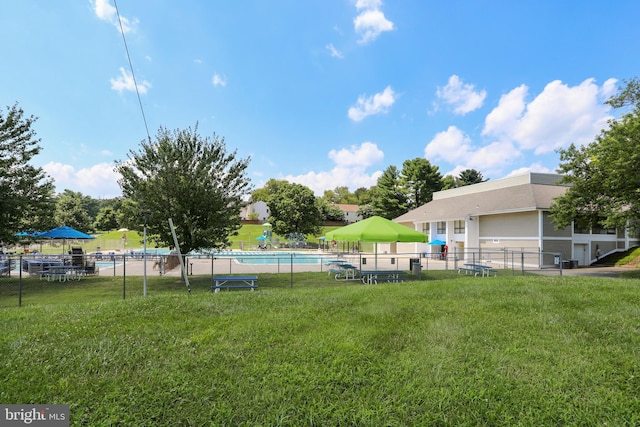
<point>376,230</point>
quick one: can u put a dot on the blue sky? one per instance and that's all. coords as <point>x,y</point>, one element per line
<point>325,93</point>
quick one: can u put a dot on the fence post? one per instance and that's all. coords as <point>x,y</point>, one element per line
<point>291,282</point>
<point>124,276</point>
<point>20,287</point>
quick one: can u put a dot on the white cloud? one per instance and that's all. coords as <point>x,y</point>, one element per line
<point>454,146</point>
<point>462,97</point>
<point>334,52</point>
<point>535,167</point>
<point>451,146</point>
<point>98,181</point>
<point>349,170</point>
<point>375,104</point>
<point>106,12</point>
<point>126,82</point>
<point>558,116</point>
<point>368,4</point>
<point>364,156</point>
<point>218,80</point>
<point>371,22</point>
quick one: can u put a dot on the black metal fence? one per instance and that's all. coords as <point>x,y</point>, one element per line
<point>237,262</point>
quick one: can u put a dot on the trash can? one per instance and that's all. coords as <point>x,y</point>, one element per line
<point>416,267</point>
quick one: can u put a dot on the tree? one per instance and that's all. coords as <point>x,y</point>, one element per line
<point>340,195</point>
<point>450,181</point>
<point>420,180</point>
<point>362,195</point>
<point>129,215</point>
<point>26,192</point>
<point>365,211</point>
<point>603,176</point>
<point>270,187</point>
<point>330,212</point>
<point>70,211</point>
<point>107,219</point>
<point>628,95</point>
<point>469,177</point>
<point>388,198</point>
<point>190,179</point>
<point>294,209</point>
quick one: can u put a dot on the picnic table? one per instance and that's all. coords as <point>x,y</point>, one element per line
<point>374,276</point>
<point>62,273</point>
<point>234,282</point>
<point>35,266</point>
<point>342,269</point>
<point>475,269</point>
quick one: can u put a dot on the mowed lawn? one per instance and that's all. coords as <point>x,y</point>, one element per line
<point>445,350</point>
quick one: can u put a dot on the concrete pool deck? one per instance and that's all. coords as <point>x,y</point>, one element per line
<point>208,266</point>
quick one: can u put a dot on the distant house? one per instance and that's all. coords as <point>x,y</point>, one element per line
<point>350,212</point>
<point>510,214</point>
<point>256,210</point>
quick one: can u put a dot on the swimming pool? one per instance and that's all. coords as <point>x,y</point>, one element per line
<point>266,258</point>
<point>108,264</point>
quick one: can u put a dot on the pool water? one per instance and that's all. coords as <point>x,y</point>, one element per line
<point>269,258</point>
<point>107,264</point>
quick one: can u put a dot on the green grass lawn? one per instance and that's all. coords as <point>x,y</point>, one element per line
<point>445,350</point>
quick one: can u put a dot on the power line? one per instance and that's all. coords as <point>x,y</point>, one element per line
<point>133,75</point>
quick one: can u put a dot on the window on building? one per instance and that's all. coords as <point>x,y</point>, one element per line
<point>458,226</point>
<point>601,230</point>
<point>425,227</point>
<point>580,227</point>
<point>442,227</point>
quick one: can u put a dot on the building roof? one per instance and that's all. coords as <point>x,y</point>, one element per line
<point>347,208</point>
<point>520,193</point>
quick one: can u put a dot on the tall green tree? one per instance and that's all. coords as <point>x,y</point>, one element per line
<point>191,179</point>
<point>71,211</point>
<point>362,195</point>
<point>420,180</point>
<point>470,177</point>
<point>627,96</point>
<point>388,197</point>
<point>107,219</point>
<point>294,209</point>
<point>340,195</point>
<point>450,181</point>
<point>603,176</point>
<point>330,212</point>
<point>26,192</point>
<point>365,211</point>
<point>268,189</point>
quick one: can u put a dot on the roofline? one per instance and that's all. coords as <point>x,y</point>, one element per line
<point>509,181</point>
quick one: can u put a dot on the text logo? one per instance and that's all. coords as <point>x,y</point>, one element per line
<point>34,415</point>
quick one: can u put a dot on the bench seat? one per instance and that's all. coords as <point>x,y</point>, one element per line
<point>466,270</point>
<point>234,282</point>
<point>388,279</point>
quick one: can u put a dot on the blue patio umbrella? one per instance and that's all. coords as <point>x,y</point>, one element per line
<point>28,234</point>
<point>261,238</point>
<point>65,232</point>
<point>437,242</point>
